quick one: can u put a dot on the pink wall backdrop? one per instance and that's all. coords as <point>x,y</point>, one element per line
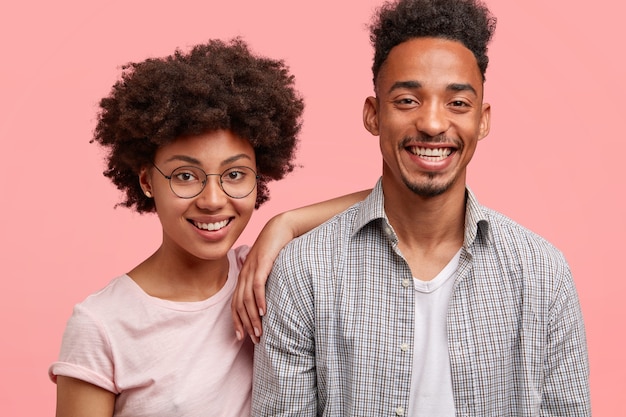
<point>554,159</point>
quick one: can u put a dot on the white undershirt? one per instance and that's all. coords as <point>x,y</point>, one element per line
<point>431,381</point>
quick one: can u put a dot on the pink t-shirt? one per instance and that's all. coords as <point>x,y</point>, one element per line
<point>162,358</point>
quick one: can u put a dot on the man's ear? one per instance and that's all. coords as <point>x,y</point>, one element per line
<point>485,121</point>
<point>370,115</point>
<point>145,181</point>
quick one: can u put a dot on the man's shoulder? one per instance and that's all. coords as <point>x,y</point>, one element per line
<point>343,223</point>
<point>510,236</point>
<point>330,235</point>
<point>502,224</point>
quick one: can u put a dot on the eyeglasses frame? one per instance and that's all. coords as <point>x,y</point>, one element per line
<point>206,180</point>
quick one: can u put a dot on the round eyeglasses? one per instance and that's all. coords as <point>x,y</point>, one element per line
<point>189,181</point>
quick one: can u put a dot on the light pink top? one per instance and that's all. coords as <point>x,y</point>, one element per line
<point>162,358</point>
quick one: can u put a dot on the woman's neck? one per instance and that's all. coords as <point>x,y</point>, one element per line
<point>180,278</point>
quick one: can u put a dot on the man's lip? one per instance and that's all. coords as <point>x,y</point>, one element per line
<point>431,151</point>
<point>431,158</point>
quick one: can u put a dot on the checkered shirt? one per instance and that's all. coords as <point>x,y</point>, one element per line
<point>338,331</point>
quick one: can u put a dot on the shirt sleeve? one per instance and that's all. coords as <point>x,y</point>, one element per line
<point>85,352</point>
<point>566,388</point>
<point>284,360</point>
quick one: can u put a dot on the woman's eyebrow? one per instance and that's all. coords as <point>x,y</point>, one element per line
<point>235,158</point>
<point>194,161</point>
<point>183,158</point>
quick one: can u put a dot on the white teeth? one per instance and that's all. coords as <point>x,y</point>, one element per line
<point>437,153</point>
<point>211,226</point>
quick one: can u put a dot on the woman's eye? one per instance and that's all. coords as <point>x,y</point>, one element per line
<point>234,175</point>
<point>186,176</point>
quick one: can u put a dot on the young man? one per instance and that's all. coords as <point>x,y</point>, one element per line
<point>419,301</point>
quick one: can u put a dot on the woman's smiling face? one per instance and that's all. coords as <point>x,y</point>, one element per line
<point>205,226</point>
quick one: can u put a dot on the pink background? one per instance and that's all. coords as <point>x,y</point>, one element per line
<point>554,159</point>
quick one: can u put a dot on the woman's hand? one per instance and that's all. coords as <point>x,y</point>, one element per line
<point>248,304</point>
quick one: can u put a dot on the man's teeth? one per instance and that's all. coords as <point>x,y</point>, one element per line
<point>211,226</point>
<point>437,153</point>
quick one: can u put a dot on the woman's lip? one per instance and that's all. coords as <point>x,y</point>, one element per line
<point>211,226</point>
<point>215,232</point>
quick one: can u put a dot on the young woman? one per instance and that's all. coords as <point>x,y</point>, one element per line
<point>194,137</point>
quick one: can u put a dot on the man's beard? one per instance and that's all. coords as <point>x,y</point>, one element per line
<point>430,189</point>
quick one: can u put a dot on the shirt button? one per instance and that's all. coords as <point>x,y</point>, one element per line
<point>400,411</point>
<point>404,347</point>
<point>406,282</point>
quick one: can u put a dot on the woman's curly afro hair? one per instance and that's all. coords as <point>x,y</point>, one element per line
<point>217,85</point>
<point>465,21</point>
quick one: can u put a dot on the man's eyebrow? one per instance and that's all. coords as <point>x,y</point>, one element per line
<point>412,85</point>
<point>409,85</point>
<point>462,87</point>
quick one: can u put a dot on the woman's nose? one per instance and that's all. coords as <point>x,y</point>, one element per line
<point>212,196</point>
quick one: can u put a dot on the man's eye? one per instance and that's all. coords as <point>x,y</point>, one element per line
<point>459,103</point>
<point>406,103</point>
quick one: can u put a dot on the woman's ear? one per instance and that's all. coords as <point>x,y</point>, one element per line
<point>145,181</point>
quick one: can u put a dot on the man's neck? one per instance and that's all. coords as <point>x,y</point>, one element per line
<point>427,220</point>
<point>430,230</point>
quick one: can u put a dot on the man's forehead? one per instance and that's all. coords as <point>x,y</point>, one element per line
<point>427,60</point>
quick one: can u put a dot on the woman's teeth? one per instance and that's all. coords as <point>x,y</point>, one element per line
<point>211,226</point>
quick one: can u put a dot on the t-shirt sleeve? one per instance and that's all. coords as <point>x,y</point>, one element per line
<point>85,352</point>
<point>241,253</point>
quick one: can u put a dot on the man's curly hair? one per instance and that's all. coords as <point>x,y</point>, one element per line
<point>217,85</point>
<point>465,21</point>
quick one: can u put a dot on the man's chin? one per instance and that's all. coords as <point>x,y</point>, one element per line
<point>427,190</point>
